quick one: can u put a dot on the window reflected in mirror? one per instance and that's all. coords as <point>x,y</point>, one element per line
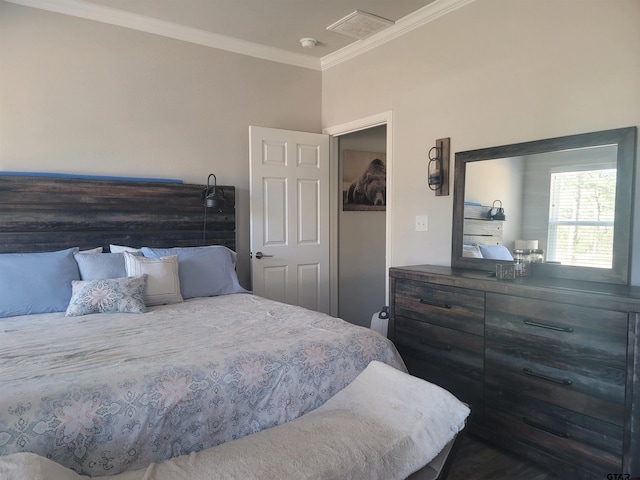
<point>581,217</point>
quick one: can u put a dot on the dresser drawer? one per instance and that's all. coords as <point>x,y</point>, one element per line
<point>449,358</point>
<point>555,431</point>
<point>567,355</point>
<point>466,389</point>
<point>454,351</point>
<point>458,308</point>
<point>602,332</point>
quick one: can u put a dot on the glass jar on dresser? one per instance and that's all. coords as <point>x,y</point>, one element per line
<point>550,367</point>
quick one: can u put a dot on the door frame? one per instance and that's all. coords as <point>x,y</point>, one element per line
<point>384,118</point>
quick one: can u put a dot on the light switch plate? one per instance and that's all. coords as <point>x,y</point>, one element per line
<point>422,223</point>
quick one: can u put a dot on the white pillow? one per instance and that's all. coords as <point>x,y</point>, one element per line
<point>471,251</point>
<point>122,249</point>
<point>163,282</point>
<point>92,250</point>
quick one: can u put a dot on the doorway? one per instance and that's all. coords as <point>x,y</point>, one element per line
<point>383,143</point>
<point>362,230</point>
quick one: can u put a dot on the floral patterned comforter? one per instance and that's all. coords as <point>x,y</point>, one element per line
<point>106,393</point>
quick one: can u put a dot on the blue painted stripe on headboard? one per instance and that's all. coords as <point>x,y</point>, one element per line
<point>90,177</point>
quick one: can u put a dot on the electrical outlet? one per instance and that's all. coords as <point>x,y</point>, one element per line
<point>422,223</point>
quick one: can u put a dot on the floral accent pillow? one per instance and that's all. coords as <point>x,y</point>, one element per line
<point>108,295</point>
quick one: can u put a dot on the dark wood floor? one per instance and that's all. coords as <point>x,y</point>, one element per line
<point>478,460</point>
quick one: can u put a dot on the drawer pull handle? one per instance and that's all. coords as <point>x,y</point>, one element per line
<point>544,428</point>
<point>561,381</point>
<point>547,325</point>
<point>439,346</point>
<point>441,305</point>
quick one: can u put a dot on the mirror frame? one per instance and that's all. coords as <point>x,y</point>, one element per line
<point>624,138</point>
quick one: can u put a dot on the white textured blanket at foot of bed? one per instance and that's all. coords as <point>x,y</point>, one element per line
<point>385,425</point>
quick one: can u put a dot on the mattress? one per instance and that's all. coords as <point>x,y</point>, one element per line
<point>105,393</point>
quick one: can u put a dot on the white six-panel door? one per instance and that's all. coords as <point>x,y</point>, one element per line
<point>289,208</point>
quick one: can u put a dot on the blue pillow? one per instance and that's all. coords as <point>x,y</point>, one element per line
<point>100,266</point>
<point>203,271</point>
<point>495,252</point>
<point>36,282</point>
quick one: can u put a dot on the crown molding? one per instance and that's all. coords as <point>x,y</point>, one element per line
<point>142,23</point>
<point>426,14</point>
<point>112,16</point>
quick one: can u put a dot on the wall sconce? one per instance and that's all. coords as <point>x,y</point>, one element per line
<point>435,169</point>
<point>438,168</point>
<point>213,196</point>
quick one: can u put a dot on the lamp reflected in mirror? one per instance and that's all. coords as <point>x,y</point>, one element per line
<point>497,212</point>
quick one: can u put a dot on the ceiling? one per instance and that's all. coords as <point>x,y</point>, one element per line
<point>274,23</point>
<point>269,29</point>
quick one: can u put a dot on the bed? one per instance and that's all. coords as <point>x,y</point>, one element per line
<point>369,430</point>
<point>171,355</point>
<point>105,393</point>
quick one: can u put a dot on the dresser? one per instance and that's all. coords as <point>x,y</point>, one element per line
<point>550,367</point>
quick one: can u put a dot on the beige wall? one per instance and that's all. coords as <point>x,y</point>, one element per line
<point>78,96</point>
<point>490,73</point>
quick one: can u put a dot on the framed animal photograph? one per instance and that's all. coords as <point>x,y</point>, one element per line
<point>364,181</point>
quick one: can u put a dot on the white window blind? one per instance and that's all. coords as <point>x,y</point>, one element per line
<point>581,217</point>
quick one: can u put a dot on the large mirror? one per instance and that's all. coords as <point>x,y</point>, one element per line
<point>570,198</point>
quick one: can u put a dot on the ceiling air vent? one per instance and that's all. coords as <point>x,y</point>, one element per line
<point>359,25</point>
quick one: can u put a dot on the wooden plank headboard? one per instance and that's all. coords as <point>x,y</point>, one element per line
<point>40,214</point>
<point>479,227</point>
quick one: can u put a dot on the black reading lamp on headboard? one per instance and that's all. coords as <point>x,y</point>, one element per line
<point>212,197</point>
